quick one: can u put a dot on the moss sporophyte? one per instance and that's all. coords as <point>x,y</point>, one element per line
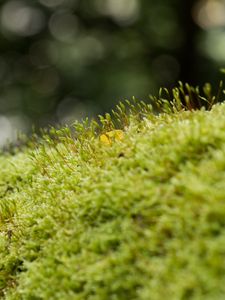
<point>130,206</point>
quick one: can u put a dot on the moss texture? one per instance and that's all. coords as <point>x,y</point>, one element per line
<point>139,217</point>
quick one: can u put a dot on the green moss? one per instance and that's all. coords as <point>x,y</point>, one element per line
<point>141,218</point>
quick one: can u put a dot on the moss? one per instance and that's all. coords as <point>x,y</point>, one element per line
<point>141,217</point>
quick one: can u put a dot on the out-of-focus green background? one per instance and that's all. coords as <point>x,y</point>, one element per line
<point>62,60</point>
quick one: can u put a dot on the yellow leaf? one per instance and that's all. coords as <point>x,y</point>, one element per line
<point>110,136</point>
<point>105,139</point>
<point>118,135</point>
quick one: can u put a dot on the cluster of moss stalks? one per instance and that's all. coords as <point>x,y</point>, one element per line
<point>128,207</point>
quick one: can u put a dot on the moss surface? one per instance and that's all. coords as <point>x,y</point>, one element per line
<point>138,217</point>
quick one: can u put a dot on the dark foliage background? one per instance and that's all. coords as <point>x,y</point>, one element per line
<point>62,60</point>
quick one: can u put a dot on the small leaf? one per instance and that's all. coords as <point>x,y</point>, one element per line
<point>110,136</point>
<point>104,139</point>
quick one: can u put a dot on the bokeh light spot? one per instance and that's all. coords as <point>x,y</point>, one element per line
<point>51,3</point>
<point>63,26</point>
<point>124,12</point>
<point>20,19</point>
<point>57,3</point>
<point>6,132</point>
<point>209,13</point>
<point>76,55</point>
<point>213,45</point>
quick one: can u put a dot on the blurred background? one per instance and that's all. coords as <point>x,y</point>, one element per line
<point>62,60</point>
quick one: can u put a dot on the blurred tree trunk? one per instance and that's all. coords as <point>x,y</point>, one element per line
<point>188,53</point>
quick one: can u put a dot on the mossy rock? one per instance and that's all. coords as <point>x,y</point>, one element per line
<point>140,217</point>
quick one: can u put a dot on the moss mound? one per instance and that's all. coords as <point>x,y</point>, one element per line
<point>132,213</point>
